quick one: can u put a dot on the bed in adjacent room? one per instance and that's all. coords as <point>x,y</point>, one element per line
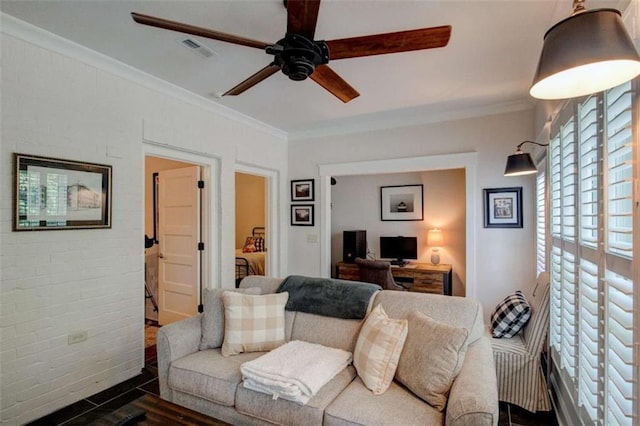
<point>250,259</point>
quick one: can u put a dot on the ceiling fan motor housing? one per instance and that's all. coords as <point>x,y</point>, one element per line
<point>298,56</point>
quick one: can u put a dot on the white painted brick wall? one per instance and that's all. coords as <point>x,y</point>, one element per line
<point>57,282</point>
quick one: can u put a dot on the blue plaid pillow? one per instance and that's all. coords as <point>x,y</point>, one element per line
<point>510,316</point>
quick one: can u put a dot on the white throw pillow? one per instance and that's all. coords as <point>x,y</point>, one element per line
<point>378,349</point>
<point>253,323</point>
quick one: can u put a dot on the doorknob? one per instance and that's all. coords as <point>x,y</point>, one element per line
<point>161,256</point>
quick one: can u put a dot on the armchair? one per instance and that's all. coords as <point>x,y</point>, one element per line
<point>521,379</point>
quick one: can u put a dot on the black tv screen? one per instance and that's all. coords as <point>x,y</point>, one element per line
<point>399,248</point>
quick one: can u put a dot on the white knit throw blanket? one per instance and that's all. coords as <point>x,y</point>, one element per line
<point>295,371</point>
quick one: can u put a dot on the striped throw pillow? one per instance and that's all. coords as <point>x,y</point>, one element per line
<point>253,323</point>
<point>510,316</point>
<point>378,349</point>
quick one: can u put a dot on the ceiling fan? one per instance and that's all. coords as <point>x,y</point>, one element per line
<point>299,56</point>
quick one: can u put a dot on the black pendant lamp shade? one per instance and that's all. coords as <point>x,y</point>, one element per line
<point>586,53</point>
<point>521,163</point>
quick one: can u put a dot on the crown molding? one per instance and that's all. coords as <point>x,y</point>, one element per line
<point>32,34</point>
<point>408,117</point>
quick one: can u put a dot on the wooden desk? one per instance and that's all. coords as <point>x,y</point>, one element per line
<point>425,277</point>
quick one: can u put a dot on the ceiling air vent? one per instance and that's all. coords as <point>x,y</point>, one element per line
<point>196,47</point>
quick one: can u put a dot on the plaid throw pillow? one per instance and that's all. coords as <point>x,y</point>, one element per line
<point>510,316</point>
<point>378,349</point>
<point>253,323</point>
<point>259,243</point>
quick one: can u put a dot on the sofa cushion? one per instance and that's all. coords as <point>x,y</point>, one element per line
<point>253,323</point>
<point>327,331</point>
<point>213,316</point>
<point>458,311</point>
<point>378,348</point>
<point>431,359</point>
<point>283,412</point>
<point>510,316</point>
<point>356,405</point>
<point>209,375</point>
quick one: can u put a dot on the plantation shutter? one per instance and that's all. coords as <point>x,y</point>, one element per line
<point>591,221</point>
<point>619,323</point>
<point>589,325</point>
<point>555,210</point>
<point>541,263</point>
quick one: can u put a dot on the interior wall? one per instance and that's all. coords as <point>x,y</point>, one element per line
<point>153,165</point>
<point>505,257</point>
<point>250,205</point>
<point>355,204</point>
<point>63,101</point>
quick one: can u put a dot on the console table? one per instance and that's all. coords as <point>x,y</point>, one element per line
<point>425,277</point>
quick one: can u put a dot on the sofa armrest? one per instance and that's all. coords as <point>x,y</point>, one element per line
<point>473,399</point>
<point>174,341</point>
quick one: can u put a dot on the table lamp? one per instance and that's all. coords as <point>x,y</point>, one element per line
<point>435,240</point>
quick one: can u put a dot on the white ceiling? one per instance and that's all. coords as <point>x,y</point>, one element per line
<point>490,59</point>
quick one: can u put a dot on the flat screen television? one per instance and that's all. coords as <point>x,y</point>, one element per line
<point>399,248</point>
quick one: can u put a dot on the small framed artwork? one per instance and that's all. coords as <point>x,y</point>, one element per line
<point>302,190</point>
<point>404,202</point>
<point>51,193</point>
<point>302,214</point>
<point>503,207</point>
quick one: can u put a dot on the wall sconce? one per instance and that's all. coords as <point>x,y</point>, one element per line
<point>521,163</point>
<point>588,52</point>
<point>435,240</point>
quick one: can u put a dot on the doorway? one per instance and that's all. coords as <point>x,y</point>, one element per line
<point>173,229</point>
<point>251,232</point>
<point>466,161</point>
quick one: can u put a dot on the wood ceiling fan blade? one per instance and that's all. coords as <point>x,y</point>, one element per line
<point>256,78</point>
<point>302,16</point>
<point>332,82</point>
<point>197,31</point>
<point>380,44</point>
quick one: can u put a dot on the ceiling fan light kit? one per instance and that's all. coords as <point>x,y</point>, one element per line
<point>299,56</point>
<point>588,52</point>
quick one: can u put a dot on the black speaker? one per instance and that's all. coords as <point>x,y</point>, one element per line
<point>354,244</point>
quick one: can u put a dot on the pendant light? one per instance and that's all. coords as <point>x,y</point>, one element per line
<point>586,53</point>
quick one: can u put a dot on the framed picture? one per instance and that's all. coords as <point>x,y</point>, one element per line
<point>503,207</point>
<point>302,190</point>
<point>403,202</point>
<point>302,214</point>
<point>51,193</point>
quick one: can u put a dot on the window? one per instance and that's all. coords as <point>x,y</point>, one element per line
<point>591,221</point>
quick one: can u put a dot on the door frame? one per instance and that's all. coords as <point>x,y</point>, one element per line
<point>211,224</point>
<point>467,161</point>
<point>272,180</point>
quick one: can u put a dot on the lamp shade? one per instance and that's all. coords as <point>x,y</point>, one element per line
<point>586,53</point>
<point>434,238</point>
<point>519,164</point>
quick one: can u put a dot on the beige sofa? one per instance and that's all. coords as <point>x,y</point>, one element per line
<point>207,382</point>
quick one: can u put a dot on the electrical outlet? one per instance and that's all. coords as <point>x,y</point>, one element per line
<point>77,337</point>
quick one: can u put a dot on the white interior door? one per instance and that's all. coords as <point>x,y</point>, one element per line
<point>179,210</point>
